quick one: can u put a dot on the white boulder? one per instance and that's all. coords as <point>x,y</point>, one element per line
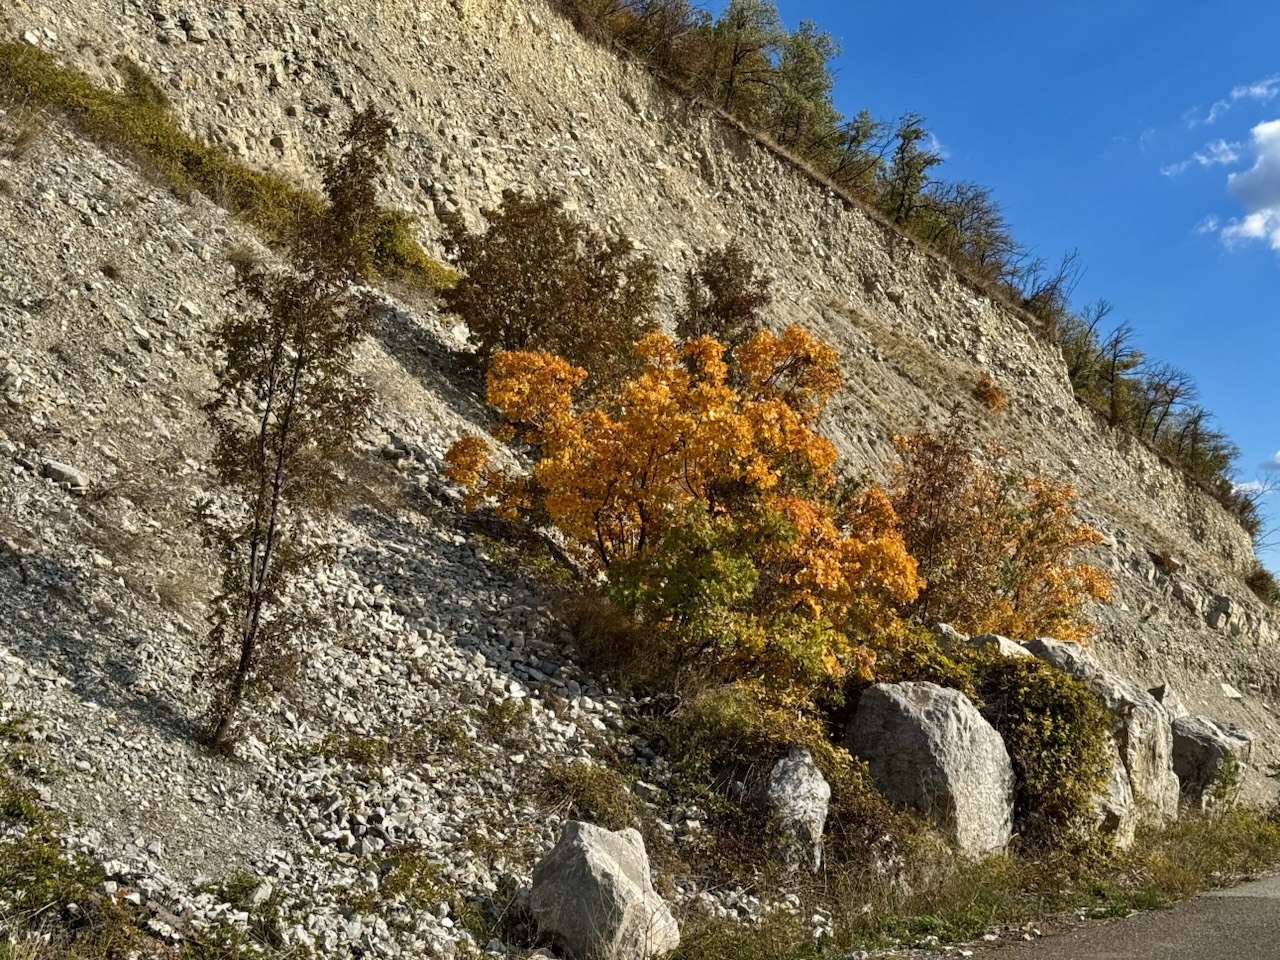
<point>593,895</point>
<point>798,795</point>
<point>930,751</point>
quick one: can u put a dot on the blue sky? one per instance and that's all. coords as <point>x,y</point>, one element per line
<point>1133,131</point>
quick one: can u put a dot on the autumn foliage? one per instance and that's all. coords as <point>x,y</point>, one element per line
<point>999,548</point>
<point>704,503</point>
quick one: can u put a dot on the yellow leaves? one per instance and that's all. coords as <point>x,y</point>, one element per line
<point>676,432</point>
<point>856,573</point>
<point>794,367</point>
<point>1001,550</point>
<point>532,389</point>
<point>468,463</point>
<point>792,589</point>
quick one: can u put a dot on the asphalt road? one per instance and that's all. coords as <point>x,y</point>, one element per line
<point>1238,924</point>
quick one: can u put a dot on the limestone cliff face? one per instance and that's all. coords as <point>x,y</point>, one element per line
<point>496,94</point>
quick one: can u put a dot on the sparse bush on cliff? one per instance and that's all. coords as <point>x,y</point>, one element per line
<point>992,395</point>
<point>999,548</point>
<point>724,298</point>
<point>704,505</point>
<point>1264,585</point>
<point>537,279</point>
<point>285,412</point>
<point>137,121</point>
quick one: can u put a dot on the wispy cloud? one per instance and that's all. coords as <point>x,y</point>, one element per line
<point>1213,154</point>
<point>1271,464</point>
<point>1210,224</point>
<point>1253,486</point>
<point>1260,91</point>
<point>1258,191</point>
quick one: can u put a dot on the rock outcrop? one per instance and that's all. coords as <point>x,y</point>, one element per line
<point>930,751</point>
<point>798,795</point>
<point>1209,757</point>
<point>1117,813</point>
<point>954,641</point>
<point>593,895</point>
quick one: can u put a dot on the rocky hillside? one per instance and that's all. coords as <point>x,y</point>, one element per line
<point>451,688</point>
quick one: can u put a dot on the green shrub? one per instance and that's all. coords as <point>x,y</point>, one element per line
<point>910,653</point>
<point>50,896</point>
<point>267,918</point>
<point>1264,585</point>
<point>724,298</point>
<point>1056,732</point>
<point>730,737</point>
<point>593,794</point>
<point>399,257</point>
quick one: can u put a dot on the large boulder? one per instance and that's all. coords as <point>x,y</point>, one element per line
<point>593,895</point>
<point>1141,726</point>
<point>930,751</point>
<point>1117,814</point>
<point>797,795</point>
<point>1208,754</point>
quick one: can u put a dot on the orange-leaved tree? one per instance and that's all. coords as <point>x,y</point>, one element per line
<point>706,504</point>
<point>1000,547</point>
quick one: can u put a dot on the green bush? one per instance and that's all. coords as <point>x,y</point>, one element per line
<point>593,794</point>
<point>1056,732</point>
<point>734,734</point>
<point>910,653</point>
<point>1264,585</point>
<point>724,298</point>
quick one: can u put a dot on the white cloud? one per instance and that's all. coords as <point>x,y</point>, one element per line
<point>1271,463</point>
<point>1258,191</point>
<point>1215,153</point>
<point>1260,91</point>
<point>1210,224</point>
<point>1253,486</point>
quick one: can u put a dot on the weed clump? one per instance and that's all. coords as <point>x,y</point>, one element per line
<point>593,793</point>
<point>990,393</point>
<point>1264,585</point>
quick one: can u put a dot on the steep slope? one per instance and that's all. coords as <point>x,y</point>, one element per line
<point>106,369</point>
<point>431,717</point>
